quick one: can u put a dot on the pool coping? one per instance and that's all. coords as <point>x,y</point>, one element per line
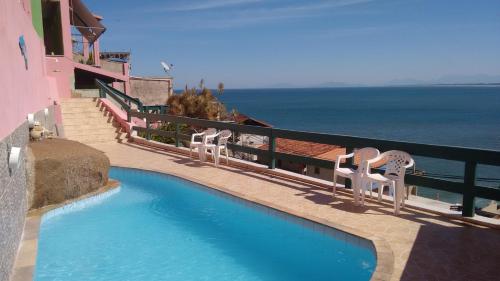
<point>383,251</point>
<point>24,266</point>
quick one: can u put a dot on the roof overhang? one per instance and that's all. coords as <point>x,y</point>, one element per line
<point>86,22</point>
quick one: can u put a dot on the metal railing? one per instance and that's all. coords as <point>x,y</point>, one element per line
<point>470,156</point>
<point>125,101</point>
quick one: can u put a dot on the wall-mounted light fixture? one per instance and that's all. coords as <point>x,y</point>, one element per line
<point>14,159</point>
<point>31,120</point>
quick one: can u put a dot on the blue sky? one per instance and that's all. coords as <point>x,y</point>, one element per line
<point>262,43</point>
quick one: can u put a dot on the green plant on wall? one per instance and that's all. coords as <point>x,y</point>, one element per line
<point>36,16</point>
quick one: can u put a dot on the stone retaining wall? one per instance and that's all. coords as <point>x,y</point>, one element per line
<point>14,192</point>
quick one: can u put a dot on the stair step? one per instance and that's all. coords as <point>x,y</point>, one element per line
<point>88,126</point>
<point>78,100</point>
<point>79,109</point>
<point>86,132</point>
<point>87,114</point>
<point>89,123</point>
<point>85,121</point>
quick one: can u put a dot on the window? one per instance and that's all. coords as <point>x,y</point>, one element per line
<point>316,170</point>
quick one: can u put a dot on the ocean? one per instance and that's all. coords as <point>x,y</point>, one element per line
<point>448,115</point>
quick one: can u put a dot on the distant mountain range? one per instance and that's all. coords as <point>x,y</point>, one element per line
<point>477,79</point>
<point>451,80</point>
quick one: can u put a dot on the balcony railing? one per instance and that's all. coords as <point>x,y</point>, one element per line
<point>470,156</point>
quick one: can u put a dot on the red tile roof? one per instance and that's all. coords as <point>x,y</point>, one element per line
<point>244,119</point>
<point>309,149</point>
<point>314,150</point>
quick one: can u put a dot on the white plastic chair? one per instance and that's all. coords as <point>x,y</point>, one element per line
<point>216,149</point>
<point>396,163</point>
<point>196,144</point>
<point>354,175</point>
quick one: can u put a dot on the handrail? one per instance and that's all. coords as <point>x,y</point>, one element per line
<point>471,156</point>
<point>125,100</point>
<point>110,90</point>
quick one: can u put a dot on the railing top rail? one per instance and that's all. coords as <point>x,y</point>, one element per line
<point>483,156</point>
<point>119,93</point>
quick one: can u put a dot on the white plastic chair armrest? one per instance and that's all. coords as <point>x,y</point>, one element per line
<point>369,162</point>
<point>193,136</point>
<point>209,137</point>
<point>376,159</point>
<point>411,164</point>
<point>339,157</point>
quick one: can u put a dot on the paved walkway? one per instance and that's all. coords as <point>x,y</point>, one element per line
<point>425,246</point>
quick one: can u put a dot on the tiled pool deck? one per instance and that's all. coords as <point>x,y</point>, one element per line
<point>415,245</point>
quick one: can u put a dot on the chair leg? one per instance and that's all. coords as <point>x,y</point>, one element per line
<point>380,191</point>
<point>334,184</point>
<point>363,191</point>
<point>403,195</point>
<point>227,156</point>
<point>190,152</point>
<point>216,155</point>
<point>355,190</point>
<point>395,197</point>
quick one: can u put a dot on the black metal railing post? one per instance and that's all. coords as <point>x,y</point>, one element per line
<point>272,150</point>
<point>177,130</point>
<point>140,107</point>
<point>148,126</point>
<point>129,117</point>
<point>468,193</point>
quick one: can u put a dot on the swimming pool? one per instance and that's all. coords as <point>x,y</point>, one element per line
<point>159,227</point>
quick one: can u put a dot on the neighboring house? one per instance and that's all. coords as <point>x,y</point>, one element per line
<point>309,149</point>
<point>250,140</point>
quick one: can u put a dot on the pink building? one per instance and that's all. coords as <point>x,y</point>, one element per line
<point>60,53</point>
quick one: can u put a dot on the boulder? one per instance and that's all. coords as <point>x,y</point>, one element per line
<point>60,170</point>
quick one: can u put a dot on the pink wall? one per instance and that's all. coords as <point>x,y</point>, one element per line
<point>22,90</point>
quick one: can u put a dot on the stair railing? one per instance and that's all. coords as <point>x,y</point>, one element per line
<point>126,101</point>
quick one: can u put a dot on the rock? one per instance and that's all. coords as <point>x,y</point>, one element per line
<point>61,170</point>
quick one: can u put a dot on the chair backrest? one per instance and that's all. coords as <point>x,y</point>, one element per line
<point>396,162</point>
<point>363,154</point>
<point>209,132</point>
<point>224,135</point>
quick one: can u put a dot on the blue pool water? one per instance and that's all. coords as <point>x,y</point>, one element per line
<point>159,227</point>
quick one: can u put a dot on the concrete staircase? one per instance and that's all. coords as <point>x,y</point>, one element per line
<point>85,121</point>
